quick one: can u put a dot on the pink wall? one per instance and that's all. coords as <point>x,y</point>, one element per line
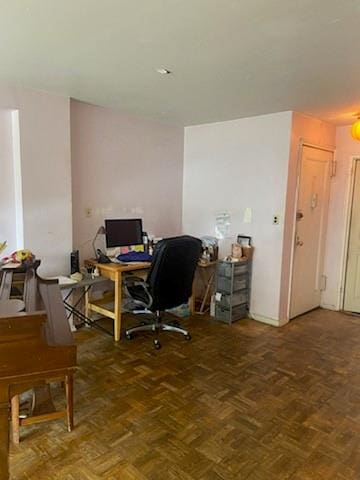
<point>346,148</point>
<point>44,125</point>
<point>123,167</point>
<point>317,132</point>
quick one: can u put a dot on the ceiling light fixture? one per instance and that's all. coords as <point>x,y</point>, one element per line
<point>355,129</point>
<point>163,71</point>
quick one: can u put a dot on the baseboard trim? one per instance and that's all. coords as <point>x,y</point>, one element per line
<point>329,307</point>
<point>275,322</point>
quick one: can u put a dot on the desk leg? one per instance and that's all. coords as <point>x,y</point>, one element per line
<point>117,306</point>
<point>86,306</point>
<point>4,432</point>
<point>207,291</point>
<point>69,386</point>
<point>15,421</point>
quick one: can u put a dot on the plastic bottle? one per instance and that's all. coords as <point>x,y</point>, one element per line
<point>145,241</point>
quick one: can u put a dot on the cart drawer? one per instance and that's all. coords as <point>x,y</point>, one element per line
<point>227,269</point>
<point>232,314</point>
<point>223,284</point>
<point>234,299</point>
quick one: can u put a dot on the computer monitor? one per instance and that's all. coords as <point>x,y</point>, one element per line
<point>123,232</point>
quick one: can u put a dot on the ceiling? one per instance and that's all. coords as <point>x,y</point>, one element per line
<point>229,58</point>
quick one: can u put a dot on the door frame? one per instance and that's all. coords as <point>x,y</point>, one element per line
<point>302,144</point>
<point>349,206</point>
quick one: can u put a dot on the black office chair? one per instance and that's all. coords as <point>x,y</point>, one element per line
<point>168,285</point>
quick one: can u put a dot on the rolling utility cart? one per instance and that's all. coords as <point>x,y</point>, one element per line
<point>232,287</point>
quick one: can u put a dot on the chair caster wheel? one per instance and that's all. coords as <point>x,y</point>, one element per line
<point>157,344</point>
<point>188,336</point>
<point>129,336</point>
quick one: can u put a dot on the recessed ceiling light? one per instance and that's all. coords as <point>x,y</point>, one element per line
<point>163,71</point>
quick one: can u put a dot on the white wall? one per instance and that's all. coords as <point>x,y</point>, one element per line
<point>346,147</point>
<point>7,189</point>
<point>229,166</point>
<point>123,167</point>
<point>44,121</point>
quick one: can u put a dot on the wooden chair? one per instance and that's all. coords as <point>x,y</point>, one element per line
<point>25,360</point>
<point>29,298</point>
<point>44,294</point>
<point>42,407</point>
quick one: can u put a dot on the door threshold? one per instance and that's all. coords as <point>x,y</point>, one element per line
<point>351,314</point>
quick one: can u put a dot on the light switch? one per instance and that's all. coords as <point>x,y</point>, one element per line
<point>248,215</point>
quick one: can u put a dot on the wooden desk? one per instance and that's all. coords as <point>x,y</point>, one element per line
<point>112,271</point>
<point>26,360</point>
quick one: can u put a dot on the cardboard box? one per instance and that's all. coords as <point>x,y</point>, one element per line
<point>248,252</point>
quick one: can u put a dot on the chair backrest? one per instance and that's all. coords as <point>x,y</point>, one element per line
<point>172,271</point>
<point>56,329</point>
<point>31,296</point>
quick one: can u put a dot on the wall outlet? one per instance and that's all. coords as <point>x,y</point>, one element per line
<point>276,220</point>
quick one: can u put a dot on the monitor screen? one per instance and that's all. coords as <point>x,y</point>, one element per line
<point>123,232</point>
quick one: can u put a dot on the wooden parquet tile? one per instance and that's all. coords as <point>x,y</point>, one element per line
<point>248,402</point>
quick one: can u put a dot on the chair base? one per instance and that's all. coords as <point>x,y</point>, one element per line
<point>156,327</point>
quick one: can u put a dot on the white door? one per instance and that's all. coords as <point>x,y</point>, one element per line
<point>352,278</point>
<point>311,222</point>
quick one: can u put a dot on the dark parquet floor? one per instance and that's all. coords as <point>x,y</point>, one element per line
<point>249,402</point>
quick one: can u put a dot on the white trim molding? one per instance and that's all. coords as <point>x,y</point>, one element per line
<point>275,322</point>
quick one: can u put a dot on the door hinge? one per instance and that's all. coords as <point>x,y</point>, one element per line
<point>333,168</point>
<point>323,280</point>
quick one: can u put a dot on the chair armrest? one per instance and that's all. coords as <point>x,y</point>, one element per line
<point>132,280</point>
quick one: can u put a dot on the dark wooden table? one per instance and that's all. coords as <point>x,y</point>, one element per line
<point>26,360</point>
